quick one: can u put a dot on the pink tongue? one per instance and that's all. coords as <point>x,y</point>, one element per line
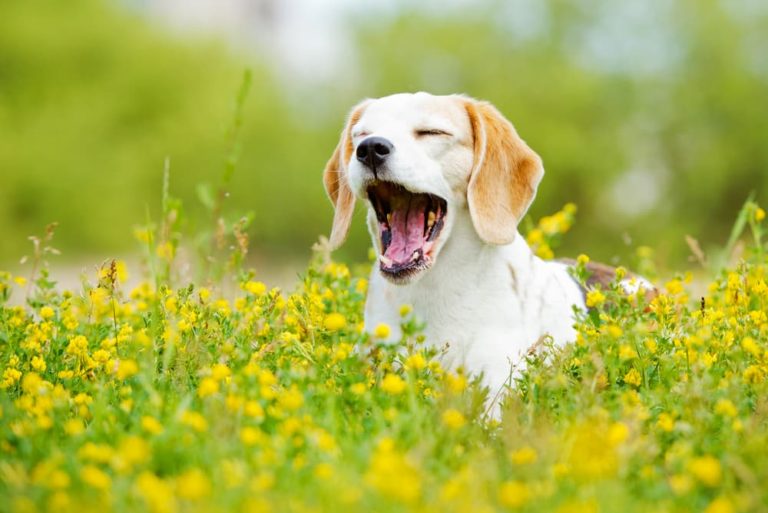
<point>407,229</point>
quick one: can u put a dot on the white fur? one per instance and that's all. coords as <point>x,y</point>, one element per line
<point>489,303</point>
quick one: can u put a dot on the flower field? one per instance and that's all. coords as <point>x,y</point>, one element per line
<point>173,397</point>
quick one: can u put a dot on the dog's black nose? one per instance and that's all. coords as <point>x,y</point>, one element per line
<point>373,151</point>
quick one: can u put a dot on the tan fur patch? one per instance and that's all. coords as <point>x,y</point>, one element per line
<point>335,182</point>
<point>504,177</point>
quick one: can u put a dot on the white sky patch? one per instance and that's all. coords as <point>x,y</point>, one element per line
<point>632,36</point>
<point>304,41</point>
<point>523,19</point>
<point>637,191</point>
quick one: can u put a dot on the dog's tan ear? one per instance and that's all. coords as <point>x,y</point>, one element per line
<point>335,181</point>
<point>504,176</point>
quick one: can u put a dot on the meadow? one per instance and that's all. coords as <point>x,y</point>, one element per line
<point>188,382</point>
<point>224,394</point>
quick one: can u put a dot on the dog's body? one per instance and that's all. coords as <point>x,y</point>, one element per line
<point>448,176</point>
<point>489,304</point>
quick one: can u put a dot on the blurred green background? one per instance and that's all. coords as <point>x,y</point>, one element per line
<point>650,115</point>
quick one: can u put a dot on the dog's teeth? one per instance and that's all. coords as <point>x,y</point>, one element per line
<point>415,255</point>
<point>386,261</point>
<point>389,218</point>
<point>431,218</point>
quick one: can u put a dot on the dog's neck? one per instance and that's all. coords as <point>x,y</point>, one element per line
<point>467,256</point>
<point>483,306</point>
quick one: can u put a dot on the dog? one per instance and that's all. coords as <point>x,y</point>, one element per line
<point>446,180</point>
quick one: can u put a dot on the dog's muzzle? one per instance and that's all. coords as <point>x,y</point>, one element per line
<point>409,225</point>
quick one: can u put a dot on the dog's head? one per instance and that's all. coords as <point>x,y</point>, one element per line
<point>420,161</point>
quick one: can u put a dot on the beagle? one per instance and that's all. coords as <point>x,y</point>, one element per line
<point>446,180</point>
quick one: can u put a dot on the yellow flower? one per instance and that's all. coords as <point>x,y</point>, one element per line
<point>250,435</point>
<point>126,369</point>
<point>95,477</point>
<point>74,427</point>
<point>453,418</point>
<point>323,471</point>
<point>32,383</point>
<point>194,420</point>
<point>707,470</point>
<point>523,456</point>
<point>545,252</point>
<point>582,259</point>
<point>291,399</point>
<point>393,384</point>
<point>405,310</point>
<point>253,409</point>
<point>208,386</point>
<point>674,287</point>
<point>618,432</point>
<point>759,214</point>
<point>381,330</point>
<point>165,251</point>
<point>633,378</point>
<point>416,361</point>
<point>627,352</point>
<point>726,408</point>
<point>101,355</point>
<point>358,388</point>
<point>38,364</point>
<point>172,304</point>
<point>513,494</point>
<point>392,475</point>
<point>151,425</point>
<point>753,375</point>
<point>99,453</point>
<point>78,346</point>
<point>594,298</point>
<point>750,346</point>
<point>133,450</point>
<point>456,382</point>
<point>10,377</point>
<point>47,312</point>
<point>334,322</point>
<point>156,492</point>
<point>535,236</point>
<point>665,422</point>
<point>720,505</point>
<point>256,288</point>
<point>193,485</point>
<point>220,371</point>
<point>83,399</point>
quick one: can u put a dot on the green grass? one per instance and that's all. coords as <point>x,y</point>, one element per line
<point>204,389</point>
<point>176,396</point>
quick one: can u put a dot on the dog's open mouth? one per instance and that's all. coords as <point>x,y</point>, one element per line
<point>409,224</point>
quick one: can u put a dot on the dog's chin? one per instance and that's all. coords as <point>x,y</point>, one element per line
<point>404,276</point>
<point>409,226</point>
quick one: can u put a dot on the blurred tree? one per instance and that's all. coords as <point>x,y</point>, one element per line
<point>651,116</point>
<point>92,100</point>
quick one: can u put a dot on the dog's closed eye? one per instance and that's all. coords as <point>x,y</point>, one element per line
<point>426,132</point>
